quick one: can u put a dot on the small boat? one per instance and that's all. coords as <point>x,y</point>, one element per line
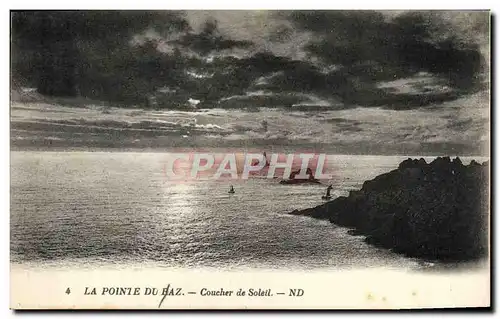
<point>231,190</point>
<point>265,157</point>
<point>327,196</point>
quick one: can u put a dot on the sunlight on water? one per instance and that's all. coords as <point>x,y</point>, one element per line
<point>118,208</point>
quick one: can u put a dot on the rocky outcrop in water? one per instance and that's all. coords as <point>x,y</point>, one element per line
<point>434,211</point>
<point>294,180</point>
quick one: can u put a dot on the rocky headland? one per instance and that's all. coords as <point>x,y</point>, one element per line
<point>436,210</point>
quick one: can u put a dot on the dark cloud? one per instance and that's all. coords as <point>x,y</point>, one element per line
<point>31,28</point>
<point>348,55</point>
<point>53,50</point>
<point>284,75</point>
<point>289,79</point>
<point>371,47</point>
<point>209,40</point>
<point>282,33</point>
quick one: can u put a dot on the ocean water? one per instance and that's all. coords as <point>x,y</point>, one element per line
<point>117,208</point>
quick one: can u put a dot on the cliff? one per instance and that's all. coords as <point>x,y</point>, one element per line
<point>435,211</point>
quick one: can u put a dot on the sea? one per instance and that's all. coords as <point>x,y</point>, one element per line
<point>116,209</point>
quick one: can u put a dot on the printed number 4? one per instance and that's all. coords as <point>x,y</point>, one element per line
<point>68,291</point>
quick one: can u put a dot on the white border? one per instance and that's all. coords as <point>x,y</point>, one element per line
<point>184,4</point>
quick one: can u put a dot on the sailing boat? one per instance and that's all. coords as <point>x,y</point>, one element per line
<point>327,196</point>
<point>265,157</point>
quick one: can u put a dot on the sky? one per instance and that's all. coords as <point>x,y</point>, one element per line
<point>355,82</point>
<point>454,128</point>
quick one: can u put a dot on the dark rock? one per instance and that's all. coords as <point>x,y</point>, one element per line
<point>295,180</point>
<point>457,162</point>
<point>433,211</point>
<point>474,163</point>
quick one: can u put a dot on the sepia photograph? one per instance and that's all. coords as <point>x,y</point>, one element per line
<point>250,159</point>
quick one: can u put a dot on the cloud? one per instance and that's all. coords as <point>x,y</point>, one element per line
<point>355,56</point>
<point>267,30</point>
<point>370,46</point>
<point>209,40</point>
<point>457,127</point>
<point>344,58</point>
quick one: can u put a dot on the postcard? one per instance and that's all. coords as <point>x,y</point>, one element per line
<point>194,159</point>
